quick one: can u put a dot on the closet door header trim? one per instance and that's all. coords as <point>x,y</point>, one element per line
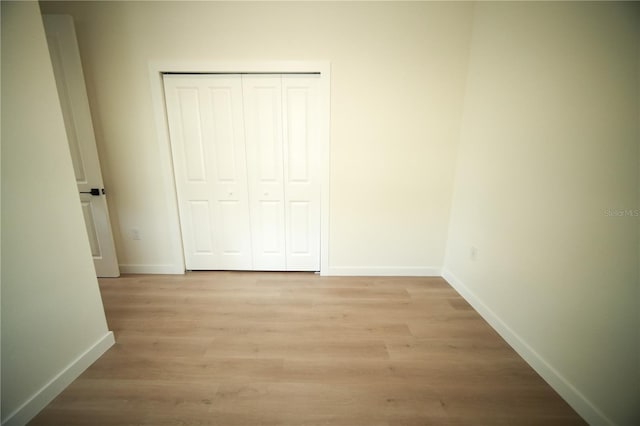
<point>241,73</point>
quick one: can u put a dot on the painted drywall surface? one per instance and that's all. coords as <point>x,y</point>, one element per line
<point>51,306</point>
<point>548,159</point>
<point>397,70</point>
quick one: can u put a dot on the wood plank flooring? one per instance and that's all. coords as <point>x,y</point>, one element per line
<point>225,348</point>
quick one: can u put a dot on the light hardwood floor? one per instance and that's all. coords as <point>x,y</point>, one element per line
<point>225,348</point>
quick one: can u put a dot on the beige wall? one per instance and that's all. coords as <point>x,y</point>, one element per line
<point>549,143</point>
<point>51,307</point>
<point>397,81</point>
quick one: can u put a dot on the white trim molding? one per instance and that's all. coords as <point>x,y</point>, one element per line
<point>152,269</point>
<point>49,391</point>
<point>157,69</point>
<point>589,412</point>
<point>382,271</point>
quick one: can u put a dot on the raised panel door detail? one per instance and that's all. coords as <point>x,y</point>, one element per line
<point>231,227</point>
<point>210,107</point>
<point>200,213</point>
<point>223,134</point>
<point>299,212</point>
<point>90,224</point>
<point>55,51</point>
<point>267,133</point>
<point>270,238</point>
<point>191,127</point>
<point>262,96</point>
<point>297,134</point>
<point>302,174</point>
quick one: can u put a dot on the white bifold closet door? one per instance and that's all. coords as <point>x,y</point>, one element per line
<point>207,141</point>
<point>246,162</point>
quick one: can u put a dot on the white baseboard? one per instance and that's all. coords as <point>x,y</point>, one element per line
<point>152,269</point>
<point>402,271</point>
<point>589,412</point>
<point>48,392</point>
<point>382,271</point>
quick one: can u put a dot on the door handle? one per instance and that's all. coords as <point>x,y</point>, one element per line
<point>94,191</point>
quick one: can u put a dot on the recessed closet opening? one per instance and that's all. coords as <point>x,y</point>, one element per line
<point>247,157</point>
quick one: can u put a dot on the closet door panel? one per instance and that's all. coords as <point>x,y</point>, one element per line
<point>301,171</point>
<point>262,95</point>
<point>270,213</point>
<point>231,234</point>
<point>200,216</point>
<point>225,143</point>
<point>207,141</point>
<point>299,215</point>
<point>246,161</point>
<point>192,151</point>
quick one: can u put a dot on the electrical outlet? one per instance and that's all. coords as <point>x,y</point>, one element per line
<point>473,253</point>
<point>135,234</point>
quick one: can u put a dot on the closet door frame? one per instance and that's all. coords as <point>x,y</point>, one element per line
<point>156,72</point>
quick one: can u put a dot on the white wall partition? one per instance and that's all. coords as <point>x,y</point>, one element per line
<point>548,154</point>
<point>53,322</point>
<point>398,73</point>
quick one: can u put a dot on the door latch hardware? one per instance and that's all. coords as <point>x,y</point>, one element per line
<point>94,191</point>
